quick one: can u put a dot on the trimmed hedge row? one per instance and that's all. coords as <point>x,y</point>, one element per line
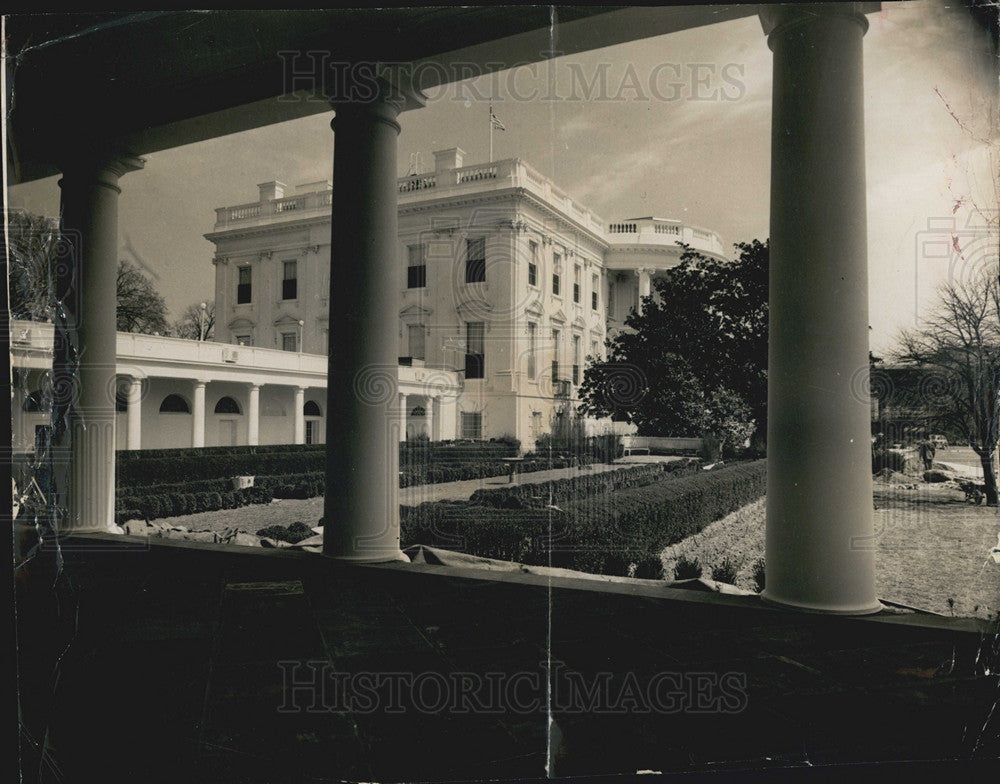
<point>435,473</point>
<point>126,455</point>
<point>556,491</point>
<point>607,534</point>
<point>169,470</point>
<point>149,507</point>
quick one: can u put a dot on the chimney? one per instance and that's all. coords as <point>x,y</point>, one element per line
<point>448,159</point>
<point>271,190</point>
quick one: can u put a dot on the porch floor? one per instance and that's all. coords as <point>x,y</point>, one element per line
<point>176,662</point>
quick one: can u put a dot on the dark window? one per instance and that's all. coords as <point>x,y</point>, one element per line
<point>576,375</point>
<point>244,288</point>
<point>555,282</point>
<point>475,260</point>
<point>532,274</point>
<point>227,405</point>
<point>311,408</point>
<point>555,370</point>
<point>576,292</point>
<point>416,270</point>
<point>174,404</point>
<point>593,300</point>
<point>289,285</point>
<point>311,431</point>
<point>474,350</point>
<point>472,425</point>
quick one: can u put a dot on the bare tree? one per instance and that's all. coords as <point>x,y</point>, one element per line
<point>32,247</point>
<point>195,322</point>
<point>140,307</point>
<point>957,350</point>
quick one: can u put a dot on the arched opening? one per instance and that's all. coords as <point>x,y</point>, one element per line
<point>174,404</point>
<point>311,408</point>
<point>227,405</point>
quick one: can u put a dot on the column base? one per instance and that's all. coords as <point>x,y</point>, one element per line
<point>868,609</point>
<point>399,555</point>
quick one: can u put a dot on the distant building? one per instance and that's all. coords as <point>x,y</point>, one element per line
<point>506,287</point>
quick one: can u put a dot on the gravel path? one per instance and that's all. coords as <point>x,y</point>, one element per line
<point>932,546</point>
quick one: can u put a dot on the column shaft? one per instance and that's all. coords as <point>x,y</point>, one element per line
<point>253,416</point>
<point>198,420</point>
<point>361,505</point>
<point>819,536</point>
<point>300,418</point>
<point>85,373</point>
<point>429,408</point>
<point>135,414</point>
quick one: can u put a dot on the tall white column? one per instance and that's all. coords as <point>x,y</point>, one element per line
<point>820,531</point>
<point>402,416</point>
<point>429,409</point>
<point>362,517</point>
<point>644,286</point>
<point>253,416</point>
<point>134,436</point>
<point>300,417</point>
<point>198,420</point>
<point>85,351</point>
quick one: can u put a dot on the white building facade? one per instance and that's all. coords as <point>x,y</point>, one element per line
<point>508,288</point>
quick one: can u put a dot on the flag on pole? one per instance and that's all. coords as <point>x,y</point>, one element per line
<point>496,122</point>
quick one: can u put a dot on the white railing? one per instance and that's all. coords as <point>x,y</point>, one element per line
<point>417,183</point>
<point>622,228</point>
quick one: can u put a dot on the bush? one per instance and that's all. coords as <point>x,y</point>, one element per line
<point>726,571</point>
<point>598,535</point>
<point>687,569</point>
<point>935,476</point>
<point>758,575</point>
<point>884,458</point>
<point>649,569</point>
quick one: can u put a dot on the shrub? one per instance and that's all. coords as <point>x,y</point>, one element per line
<point>935,476</point>
<point>650,568</point>
<point>884,458</point>
<point>599,534</point>
<point>687,569</point>
<point>758,575</point>
<point>726,571</point>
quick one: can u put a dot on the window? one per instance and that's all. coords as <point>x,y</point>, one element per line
<point>556,272</point>
<point>416,267</point>
<point>415,336</point>
<point>532,332</point>
<point>289,284</point>
<point>174,404</point>
<point>611,299</point>
<point>555,356</point>
<point>532,263</point>
<point>311,408</point>
<point>289,341</point>
<point>475,260</point>
<point>576,284</point>
<point>576,360</point>
<point>227,405</point>
<point>312,431</point>
<point>244,288</point>
<point>595,283</point>
<point>555,283</point>
<point>243,340</point>
<point>472,425</point>
<point>474,339</point>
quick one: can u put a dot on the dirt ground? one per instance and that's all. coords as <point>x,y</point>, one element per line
<point>932,546</point>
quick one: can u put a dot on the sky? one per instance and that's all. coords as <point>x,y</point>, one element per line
<point>675,126</point>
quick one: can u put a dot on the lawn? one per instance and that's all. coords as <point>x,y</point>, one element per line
<point>931,547</point>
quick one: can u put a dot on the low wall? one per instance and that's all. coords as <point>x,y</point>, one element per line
<point>662,443</point>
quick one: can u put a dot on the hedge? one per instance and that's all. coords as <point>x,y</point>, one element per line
<point>605,534</point>
<point>152,506</point>
<point>540,494</point>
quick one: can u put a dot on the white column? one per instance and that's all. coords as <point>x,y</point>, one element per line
<point>84,368</point>
<point>134,435</point>
<point>253,416</point>
<point>820,531</point>
<point>362,518</point>
<point>431,419</point>
<point>644,285</point>
<point>198,420</point>
<point>300,417</point>
<point>402,417</point>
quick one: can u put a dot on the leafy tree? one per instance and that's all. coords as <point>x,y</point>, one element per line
<point>193,326</point>
<point>695,360</point>
<point>957,352</point>
<point>140,308</point>
<point>32,248</point>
